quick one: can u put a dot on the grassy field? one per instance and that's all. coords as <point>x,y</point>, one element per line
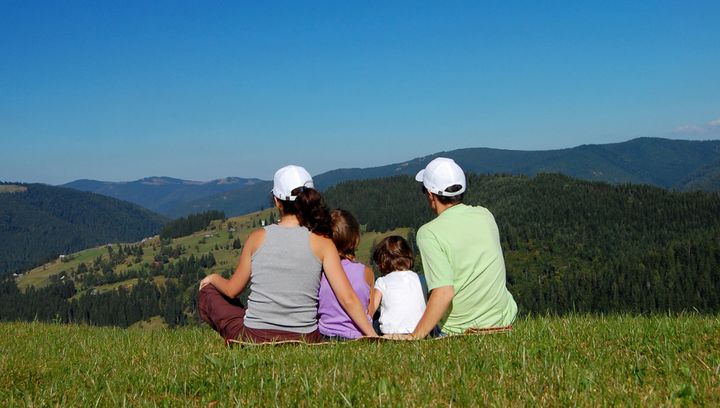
<point>585,361</point>
<point>40,276</point>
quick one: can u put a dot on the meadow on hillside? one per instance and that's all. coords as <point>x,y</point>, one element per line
<point>571,360</point>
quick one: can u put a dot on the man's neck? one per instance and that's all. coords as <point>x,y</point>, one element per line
<point>440,207</point>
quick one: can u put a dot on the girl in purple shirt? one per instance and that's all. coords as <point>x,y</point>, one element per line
<point>333,322</point>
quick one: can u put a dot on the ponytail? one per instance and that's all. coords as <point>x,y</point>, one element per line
<point>310,209</point>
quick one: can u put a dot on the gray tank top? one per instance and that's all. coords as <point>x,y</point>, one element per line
<point>284,282</point>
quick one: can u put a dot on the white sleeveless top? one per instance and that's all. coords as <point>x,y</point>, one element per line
<point>402,303</point>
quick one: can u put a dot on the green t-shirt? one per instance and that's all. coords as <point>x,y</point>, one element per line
<point>461,247</point>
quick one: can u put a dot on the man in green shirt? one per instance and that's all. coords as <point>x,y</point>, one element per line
<point>462,258</point>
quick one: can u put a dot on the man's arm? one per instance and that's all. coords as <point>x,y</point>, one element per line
<point>438,303</point>
<point>439,277</point>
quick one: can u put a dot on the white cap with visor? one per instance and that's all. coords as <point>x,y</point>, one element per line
<point>288,179</point>
<point>440,174</point>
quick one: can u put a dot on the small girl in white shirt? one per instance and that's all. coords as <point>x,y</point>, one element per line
<point>398,291</point>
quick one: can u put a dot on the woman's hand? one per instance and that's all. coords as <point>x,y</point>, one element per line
<point>206,281</point>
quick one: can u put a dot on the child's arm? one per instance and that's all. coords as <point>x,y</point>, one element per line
<point>375,297</point>
<point>369,277</point>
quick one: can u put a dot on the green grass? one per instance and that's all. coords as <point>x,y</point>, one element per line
<point>585,361</point>
<point>40,276</point>
<point>153,323</point>
<point>369,238</point>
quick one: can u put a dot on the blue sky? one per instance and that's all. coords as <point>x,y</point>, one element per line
<point>202,90</point>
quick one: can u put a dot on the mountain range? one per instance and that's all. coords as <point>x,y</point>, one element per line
<point>672,164</point>
<point>162,194</point>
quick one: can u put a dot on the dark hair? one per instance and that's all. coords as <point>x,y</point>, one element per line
<point>310,209</point>
<point>393,254</point>
<point>345,233</point>
<point>445,200</point>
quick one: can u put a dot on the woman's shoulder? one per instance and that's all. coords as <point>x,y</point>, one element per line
<point>257,233</point>
<point>322,246</point>
<point>256,238</point>
<point>320,239</point>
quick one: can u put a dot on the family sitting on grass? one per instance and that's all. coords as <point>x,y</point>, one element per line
<point>307,285</point>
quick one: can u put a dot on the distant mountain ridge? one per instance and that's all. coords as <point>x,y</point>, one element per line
<point>655,161</point>
<point>671,164</point>
<point>38,222</point>
<point>161,194</point>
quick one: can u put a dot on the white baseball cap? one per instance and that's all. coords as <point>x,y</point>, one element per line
<point>440,174</point>
<point>288,179</point>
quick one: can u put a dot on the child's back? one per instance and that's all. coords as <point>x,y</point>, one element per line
<point>403,301</point>
<point>332,319</point>
<point>398,292</point>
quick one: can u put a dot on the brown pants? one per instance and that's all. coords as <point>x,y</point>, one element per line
<point>227,317</point>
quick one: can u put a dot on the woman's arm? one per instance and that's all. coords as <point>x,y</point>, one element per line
<point>328,255</point>
<point>237,282</point>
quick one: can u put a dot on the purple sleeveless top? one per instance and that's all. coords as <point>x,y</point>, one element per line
<point>332,319</point>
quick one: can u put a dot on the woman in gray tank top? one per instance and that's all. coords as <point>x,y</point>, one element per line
<point>283,263</point>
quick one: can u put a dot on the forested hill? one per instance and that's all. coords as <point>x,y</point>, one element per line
<point>39,222</point>
<point>577,245</point>
<point>672,164</point>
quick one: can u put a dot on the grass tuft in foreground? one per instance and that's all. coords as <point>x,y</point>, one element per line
<point>577,360</point>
